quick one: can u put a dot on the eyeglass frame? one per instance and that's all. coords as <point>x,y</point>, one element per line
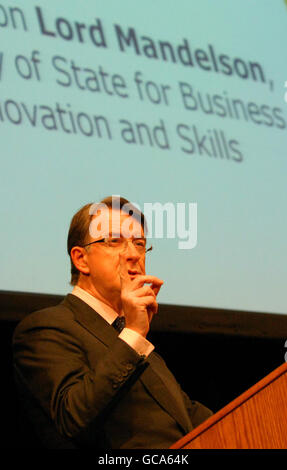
<point>105,239</point>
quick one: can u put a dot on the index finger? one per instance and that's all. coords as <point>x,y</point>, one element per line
<point>142,279</point>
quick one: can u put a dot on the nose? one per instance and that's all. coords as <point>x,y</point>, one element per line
<point>130,251</point>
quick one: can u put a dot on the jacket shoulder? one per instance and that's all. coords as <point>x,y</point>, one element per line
<point>48,317</point>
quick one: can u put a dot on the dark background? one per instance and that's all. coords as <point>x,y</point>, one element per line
<point>215,354</point>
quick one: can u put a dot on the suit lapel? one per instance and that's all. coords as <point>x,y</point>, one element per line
<point>91,320</point>
<point>160,385</point>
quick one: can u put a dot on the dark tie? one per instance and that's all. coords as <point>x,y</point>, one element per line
<point>119,323</point>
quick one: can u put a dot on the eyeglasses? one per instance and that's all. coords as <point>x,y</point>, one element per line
<point>121,244</point>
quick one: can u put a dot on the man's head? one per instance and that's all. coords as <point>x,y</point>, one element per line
<point>118,228</point>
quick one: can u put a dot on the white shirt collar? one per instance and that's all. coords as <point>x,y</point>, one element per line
<point>108,313</point>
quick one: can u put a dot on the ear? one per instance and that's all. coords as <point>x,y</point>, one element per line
<point>79,258</point>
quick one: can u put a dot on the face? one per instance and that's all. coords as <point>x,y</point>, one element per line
<point>103,262</point>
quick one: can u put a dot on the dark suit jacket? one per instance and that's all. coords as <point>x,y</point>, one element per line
<point>83,387</point>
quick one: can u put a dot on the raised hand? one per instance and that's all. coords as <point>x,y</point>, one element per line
<point>138,296</point>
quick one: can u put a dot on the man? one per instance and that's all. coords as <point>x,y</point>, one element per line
<point>84,383</point>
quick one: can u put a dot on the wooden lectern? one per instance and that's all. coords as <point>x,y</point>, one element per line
<point>257,419</point>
